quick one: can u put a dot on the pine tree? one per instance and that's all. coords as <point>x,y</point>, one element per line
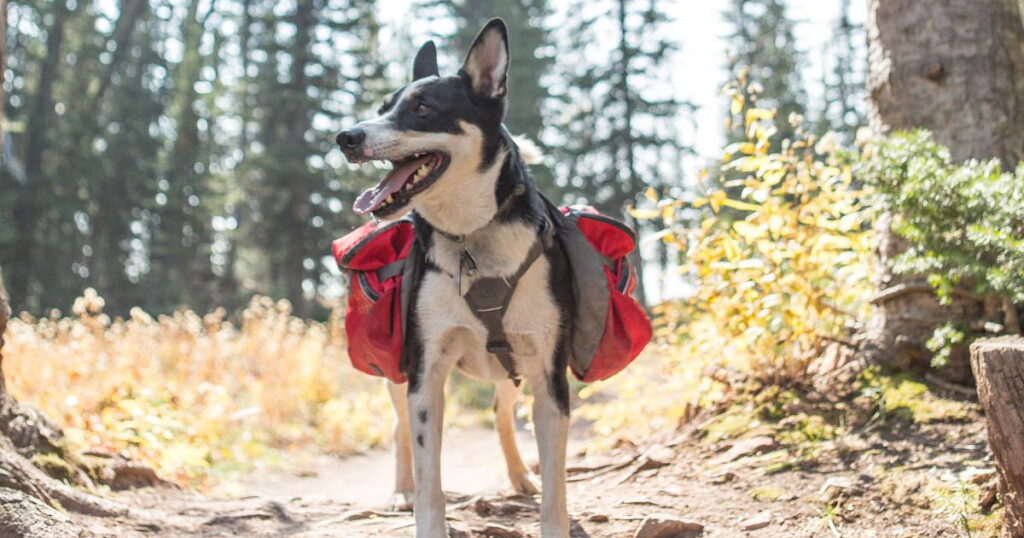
<point>181,214</point>
<point>29,193</point>
<point>295,203</point>
<point>765,56</point>
<point>615,134</point>
<point>115,130</point>
<point>843,110</point>
<point>169,158</point>
<point>616,128</point>
<point>89,153</point>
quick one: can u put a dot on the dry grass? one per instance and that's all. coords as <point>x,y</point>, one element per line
<point>190,394</point>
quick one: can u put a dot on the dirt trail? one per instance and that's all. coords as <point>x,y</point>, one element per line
<point>471,464</point>
<point>729,488</point>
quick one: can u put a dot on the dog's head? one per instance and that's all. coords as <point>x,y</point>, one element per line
<point>436,130</point>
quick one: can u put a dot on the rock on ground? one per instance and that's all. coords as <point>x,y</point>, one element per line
<point>666,526</point>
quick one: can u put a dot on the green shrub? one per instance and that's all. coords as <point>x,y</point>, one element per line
<point>965,222</point>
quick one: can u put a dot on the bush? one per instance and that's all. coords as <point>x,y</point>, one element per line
<point>965,222</point>
<point>191,394</point>
<point>789,266</point>
<point>778,270</point>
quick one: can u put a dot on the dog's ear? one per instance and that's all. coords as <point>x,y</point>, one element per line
<point>486,65</point>
<point>425,64</point>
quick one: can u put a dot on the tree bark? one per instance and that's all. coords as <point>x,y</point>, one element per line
<point>957,69</point>
<point>999,369</point>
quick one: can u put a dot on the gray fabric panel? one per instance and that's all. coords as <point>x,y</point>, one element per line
<point>412,269</point>
<point>390,270</point>
<point>590,289</point>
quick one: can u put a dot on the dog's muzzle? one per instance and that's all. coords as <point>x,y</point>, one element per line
<point>351,143</point>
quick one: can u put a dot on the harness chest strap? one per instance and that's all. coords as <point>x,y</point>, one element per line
<point>489,297</point>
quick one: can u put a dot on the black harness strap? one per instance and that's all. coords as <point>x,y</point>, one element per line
<point>391,270</point>
<point>489,298</point>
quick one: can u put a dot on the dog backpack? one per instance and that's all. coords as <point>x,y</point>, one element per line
<point>374,257</point>
<point>609,327</point>
<point>383,263</point>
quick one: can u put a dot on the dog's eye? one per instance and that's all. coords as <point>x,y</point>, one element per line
<point>422,110</point>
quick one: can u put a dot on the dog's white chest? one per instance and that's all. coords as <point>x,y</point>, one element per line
<point>451,331</point>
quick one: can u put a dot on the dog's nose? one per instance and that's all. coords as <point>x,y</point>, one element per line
<point>351,138</point>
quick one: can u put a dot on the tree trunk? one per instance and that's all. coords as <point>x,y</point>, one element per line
<point>957,69</point>
<point>999,369</point>
<point>299,122</point>
<point>26,213</point>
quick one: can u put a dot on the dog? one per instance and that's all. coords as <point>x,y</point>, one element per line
<point>457,167</point>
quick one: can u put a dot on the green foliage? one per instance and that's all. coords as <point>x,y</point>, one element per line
<point>965,222</point>
<point>961,503</point>
<point>171,153</point>
<point>905,397</point>
<point>941,343</point>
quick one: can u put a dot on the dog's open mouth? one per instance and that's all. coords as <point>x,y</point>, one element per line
<point>409,176</point>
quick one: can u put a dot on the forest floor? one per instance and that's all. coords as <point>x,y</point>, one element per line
<point>891,477</point>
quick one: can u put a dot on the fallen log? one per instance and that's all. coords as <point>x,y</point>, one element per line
<point>998,366</point>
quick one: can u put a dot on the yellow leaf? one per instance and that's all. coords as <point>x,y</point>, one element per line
<point>736,204</point>
<point>644,214</point>
<point>748,231</point>
<point>754,114</point>
<point>717,199</point>
<point>651,194</point>
<point>668,213</point>
<point>773,177</point>
<point>737,104</point>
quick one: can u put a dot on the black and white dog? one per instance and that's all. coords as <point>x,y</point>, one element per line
<point>457,167</point>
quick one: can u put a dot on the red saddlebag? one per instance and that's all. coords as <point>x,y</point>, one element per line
<point>604,342</point>
<point>374,256</point>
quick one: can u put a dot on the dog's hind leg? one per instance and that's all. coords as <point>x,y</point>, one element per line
<point>505,395</point>
<point>551,421</point>
<point>404,486</point>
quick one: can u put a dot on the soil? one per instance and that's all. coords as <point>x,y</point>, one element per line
<point>874,483</point>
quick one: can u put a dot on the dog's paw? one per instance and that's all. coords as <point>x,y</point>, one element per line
<point>523,484</point>
<point>401,502</point>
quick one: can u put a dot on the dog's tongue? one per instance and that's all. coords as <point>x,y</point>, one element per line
<point>372,198</point>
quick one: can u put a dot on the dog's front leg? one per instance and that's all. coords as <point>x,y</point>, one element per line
<point>551,422</point>
<point>426,417</point>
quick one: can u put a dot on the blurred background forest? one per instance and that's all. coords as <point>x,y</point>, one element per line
<point>179,154</point>
<point>829,197</point>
